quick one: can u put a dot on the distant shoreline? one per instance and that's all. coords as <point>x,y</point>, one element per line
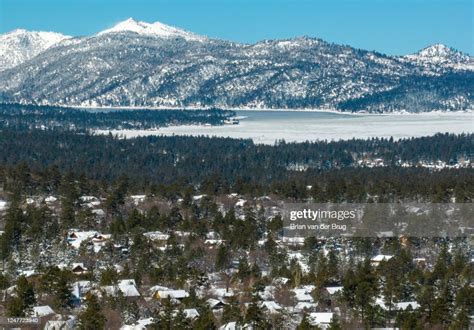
<point>317,110</point>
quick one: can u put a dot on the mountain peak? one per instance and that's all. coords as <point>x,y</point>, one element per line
<point>440,54</point>
<point>151,29</point>
<point>437,50</point>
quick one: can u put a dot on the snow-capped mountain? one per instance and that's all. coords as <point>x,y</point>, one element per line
<point>141,64</point>
<point>20,45</point>
<point>444,56</point>
<point>155,29</point>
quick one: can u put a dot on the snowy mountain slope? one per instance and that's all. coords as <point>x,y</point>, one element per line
<point>141,64</point>
<point>19,46</point>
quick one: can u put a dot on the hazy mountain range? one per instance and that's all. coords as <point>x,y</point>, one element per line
<point>155,65</point>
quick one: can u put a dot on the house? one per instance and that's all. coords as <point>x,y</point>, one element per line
<point>142,324</point>
<point>78,268</point>
<point>320,319</point>
<point>191,313</point>
<point>293,241</point>
<point>271,307</point>
<point>267,293</point>
<point>332,290</point>
<point>281,280</point>
<point>126,287</point>
<point>221,292</point>
<point>60,324</point>
<point>40,311</point>
<point>159,292</point>
<point>420,262</point>
<point>215,304</point>
<point>214,242</point>
<point>50,199</point>
<point>76,237</point>
<point>375,261</point>
<point>229,326</point>
<point>401,306</point>
<point>156,236</point>
<point>79,290</point>
<point>136,199</point>
<point>28,272</point>
<point>397,306</point>
<point>303,294</point>
<point>302,306</point>
<point>240,203</point>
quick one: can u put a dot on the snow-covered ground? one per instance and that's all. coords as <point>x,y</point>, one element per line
<point>268,126</point>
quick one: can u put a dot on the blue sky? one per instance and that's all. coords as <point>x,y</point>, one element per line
<point>388,26</point>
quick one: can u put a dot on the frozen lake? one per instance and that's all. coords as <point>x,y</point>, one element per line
<point>298,126</point>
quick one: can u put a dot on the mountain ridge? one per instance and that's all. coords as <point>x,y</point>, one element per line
<point>155,65</point>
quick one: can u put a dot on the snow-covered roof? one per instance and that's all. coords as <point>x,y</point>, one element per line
<point>320,318</point>
<point>61,324</point>
<point>281,280</point>
<point>191,313</point>
<point>80,288</point>
<point>156,236</point>
<point>221,292</point>
<point>271,306</point>
<point>404,305</point>
<point>88,198</point>
<point>42,311</point>
<point>229,326</point>
<point>75,238</point>
<point>301,306</point>
<point>213,303</point>
<point>303,295</point>
<point>78,265</point>
<point>173,294</point>
<point>127,287</point>
<point>139,325</point>
<point>334,289</point>
<point>50,199</point>
<point>381,257</point>
<point>397,306</point>
<point>267,293</point>
<point>27,272</point>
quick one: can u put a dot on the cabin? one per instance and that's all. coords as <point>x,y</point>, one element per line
<point>78,268</point>
<point>321,319</point>
<point>159,292</point>
<point>375,261</point>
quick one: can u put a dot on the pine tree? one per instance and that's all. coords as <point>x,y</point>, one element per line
<point>222,257</point>
<point>255,315</point>
<point>231,311</point>
<point>25,292</point>
<point>63,296</point>
<point>13,226</point>
<point>305,324</point>
<point>335,324</point>
<point>180,321</point>
<point>164,316</point>
<point>15,308</point>
<point>205,321</point>
<point>243,270</point>
<point>92,317</point>
<point>130,313</point>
